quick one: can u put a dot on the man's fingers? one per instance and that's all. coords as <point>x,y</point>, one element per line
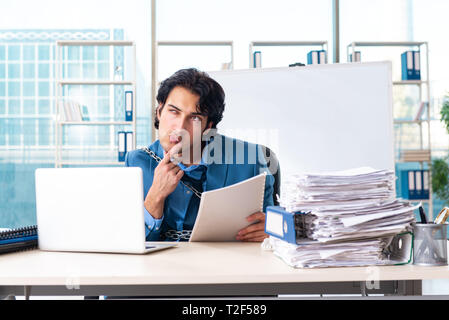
<point>180,173</point>
<point>176,149</point>
<point>252,228</point>
<point>253,236</point>
<point>167,163</point>
<point>256,216</point>
<point>166,158</point>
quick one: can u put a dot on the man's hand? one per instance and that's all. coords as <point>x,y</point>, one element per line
<point>166,178</point>
<point>256,231</point>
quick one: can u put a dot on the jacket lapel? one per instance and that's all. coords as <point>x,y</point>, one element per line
<point>216,176</point>
<point>216,172</point>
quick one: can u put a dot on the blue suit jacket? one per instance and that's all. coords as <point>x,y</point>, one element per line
<point>238,161</point>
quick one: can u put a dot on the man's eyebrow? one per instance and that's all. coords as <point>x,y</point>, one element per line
<point>197,114</point>
<point>170,105</point>
<point>192,114</point>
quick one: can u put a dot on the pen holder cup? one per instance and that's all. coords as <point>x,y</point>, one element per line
<point>430,244</point>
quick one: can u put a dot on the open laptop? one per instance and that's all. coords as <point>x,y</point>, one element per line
<point>92,210</point>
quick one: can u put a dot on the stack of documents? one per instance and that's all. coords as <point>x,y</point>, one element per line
<point>313,254</point>
<point>360,220</point>
<point>335,188</point>
<point>346,218</point>
<point>352,204</point>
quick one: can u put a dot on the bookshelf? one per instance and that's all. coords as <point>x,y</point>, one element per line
<point>423,86</point>
<point>321,44</point>
<point>61,122</point>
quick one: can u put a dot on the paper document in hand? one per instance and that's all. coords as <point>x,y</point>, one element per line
<point>222,212</point>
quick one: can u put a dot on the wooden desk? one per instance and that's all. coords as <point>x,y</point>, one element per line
<point>195,269</point>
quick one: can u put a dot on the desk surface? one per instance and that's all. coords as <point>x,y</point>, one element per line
<point>188,263</point>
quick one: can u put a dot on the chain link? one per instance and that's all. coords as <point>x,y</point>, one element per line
<point>158,159</point>
<point>174,235</point>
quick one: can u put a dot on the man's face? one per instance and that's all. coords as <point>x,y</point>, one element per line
<point>180,121</point>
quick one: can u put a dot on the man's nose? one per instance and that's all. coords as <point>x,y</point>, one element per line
<point>181,129</point>
<point>181,123</point>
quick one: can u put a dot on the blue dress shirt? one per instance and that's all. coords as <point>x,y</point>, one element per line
<point>238,161</point>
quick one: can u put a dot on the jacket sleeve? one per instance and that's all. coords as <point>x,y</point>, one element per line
<point>152,225</point>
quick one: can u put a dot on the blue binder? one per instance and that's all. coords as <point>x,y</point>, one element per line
<point>316,57</point>
<point>313,57</point>
<point>406,185</point>
<point>282,224</point>
<point>414,184</point>
<point>410,65</point>
<point>408,190</point>
<point>121,146</point>
<point>425,184</point>
<point>129,143</point>
<point>129,106</point>
<point>417,65</point>
<point>422,184</point>
<point>418,184</point>
<point>357,57</point>
<point>257,59</point>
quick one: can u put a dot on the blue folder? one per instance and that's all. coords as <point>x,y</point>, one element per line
<point>281,224</point>
<point>316,56</point>
<point>414,184</point>
<point>121,146</point>
<point>410,67</point>
<point>129,106</point>
<point>257,59</point>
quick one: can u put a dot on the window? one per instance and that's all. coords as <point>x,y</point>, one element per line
<point>27,86</point>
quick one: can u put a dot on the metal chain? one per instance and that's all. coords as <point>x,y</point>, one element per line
<point>175,235</point>
<point>158,159</point>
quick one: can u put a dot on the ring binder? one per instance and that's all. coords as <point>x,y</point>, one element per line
<point>129,106</point>
<point>18,239</point>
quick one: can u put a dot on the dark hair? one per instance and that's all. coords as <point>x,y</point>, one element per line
<point>211,102</point>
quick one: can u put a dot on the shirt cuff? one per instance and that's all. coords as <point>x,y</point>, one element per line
<point>152,224</point>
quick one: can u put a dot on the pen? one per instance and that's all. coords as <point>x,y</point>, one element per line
<point>422,214</point>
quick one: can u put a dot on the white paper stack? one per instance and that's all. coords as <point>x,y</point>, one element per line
<point>342,254</point>
<point>336,188</point>
<point>352,204</point>
<point>350,217</point>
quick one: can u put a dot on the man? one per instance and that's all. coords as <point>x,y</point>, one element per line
<point>190,157</point>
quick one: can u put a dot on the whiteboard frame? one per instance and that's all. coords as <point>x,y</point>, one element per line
<point>388,124</point>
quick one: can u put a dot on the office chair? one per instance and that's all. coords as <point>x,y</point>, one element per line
<point>275,170</point>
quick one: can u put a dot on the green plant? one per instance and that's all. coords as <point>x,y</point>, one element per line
<point>440,179</point>
<point>440,167</point>
<point>445,112</point>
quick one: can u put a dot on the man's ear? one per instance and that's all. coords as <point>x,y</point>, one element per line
<point>158,111</point>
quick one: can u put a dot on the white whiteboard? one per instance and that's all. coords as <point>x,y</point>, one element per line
<point>315,118</point>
